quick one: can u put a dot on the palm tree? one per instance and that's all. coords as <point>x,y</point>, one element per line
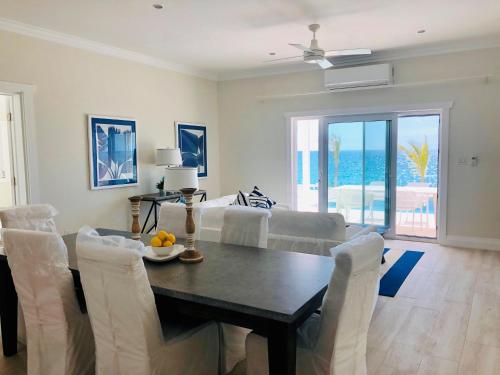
<point>335,143</point>
<point>419,156</point>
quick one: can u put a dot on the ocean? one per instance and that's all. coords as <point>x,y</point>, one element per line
<point>350,168</point>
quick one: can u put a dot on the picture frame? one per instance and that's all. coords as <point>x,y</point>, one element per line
<point>191,139</point>
<point>112,152</point>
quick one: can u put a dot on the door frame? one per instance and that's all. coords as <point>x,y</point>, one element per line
<point>441,108</point>
<point>24,141</point>
<point>440,209</point>
<point>11,149</point>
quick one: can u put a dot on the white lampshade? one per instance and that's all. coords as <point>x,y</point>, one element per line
<point>177,178</point>
<point>168,156</point>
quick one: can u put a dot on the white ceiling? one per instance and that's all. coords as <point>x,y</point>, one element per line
<point>225,37</point>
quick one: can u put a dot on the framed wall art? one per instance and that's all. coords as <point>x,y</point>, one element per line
<point>112,152</point>
<point>191,139</point>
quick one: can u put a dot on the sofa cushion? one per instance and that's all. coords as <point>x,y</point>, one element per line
<point>354,231</point>
<point>224,201</point>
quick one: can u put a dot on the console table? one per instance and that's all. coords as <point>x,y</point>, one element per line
<point>156,199</point>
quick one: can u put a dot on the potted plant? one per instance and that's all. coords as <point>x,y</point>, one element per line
<point>160,186</point>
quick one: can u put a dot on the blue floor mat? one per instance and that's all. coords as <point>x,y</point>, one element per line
<point>397,274</point>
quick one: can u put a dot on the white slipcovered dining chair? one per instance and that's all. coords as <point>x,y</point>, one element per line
<point>334,342</point>
<point>59,336</point>
<point>244,226</point>
<point>32,217</point>
<point>172,218</point>
<point>127,329</point>
<point>306,232</point>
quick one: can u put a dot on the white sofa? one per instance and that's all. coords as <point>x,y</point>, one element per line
<point>305,232</point>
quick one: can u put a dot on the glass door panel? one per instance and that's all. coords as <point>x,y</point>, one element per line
<point>417,175</point>
<point>345,170</point>
<point>358,169</point>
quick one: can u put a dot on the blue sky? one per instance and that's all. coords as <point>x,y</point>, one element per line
<point>410,129</point>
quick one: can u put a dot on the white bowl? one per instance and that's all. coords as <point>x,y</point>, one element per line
<point>163,250</point>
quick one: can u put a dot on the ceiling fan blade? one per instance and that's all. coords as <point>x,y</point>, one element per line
<point>325,64</point>
<point>349,52</point>
<point>301,47</point>
<point>284,59</point>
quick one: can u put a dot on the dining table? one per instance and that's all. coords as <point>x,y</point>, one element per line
<point>269,291</point>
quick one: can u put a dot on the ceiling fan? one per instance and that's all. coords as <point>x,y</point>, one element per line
<point>315,55</point>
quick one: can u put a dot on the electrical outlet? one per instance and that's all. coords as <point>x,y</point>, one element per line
<point>474,160</point>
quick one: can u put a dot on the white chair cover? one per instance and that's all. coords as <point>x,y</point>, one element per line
<point>246,226</point>
<point>335,342</point>
<point>327,226</point>
<point>32,217</point>
<point>307,245</point>
<point>59,336</point>
<point>173,219</point>
<point>124,318</point>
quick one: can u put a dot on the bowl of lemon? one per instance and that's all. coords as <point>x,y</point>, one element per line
<point>163,243</point>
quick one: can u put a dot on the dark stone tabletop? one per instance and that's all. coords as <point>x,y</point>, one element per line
<point>271,284</point>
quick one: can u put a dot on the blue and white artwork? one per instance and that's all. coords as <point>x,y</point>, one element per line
<point>113,152</point>
<point>192,141</point>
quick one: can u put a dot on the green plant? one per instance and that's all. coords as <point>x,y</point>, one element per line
<point>160,185</point>
<point>419,156</point>
<point>335,143</point>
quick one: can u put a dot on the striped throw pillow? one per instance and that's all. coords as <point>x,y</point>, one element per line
<point>241,200</point>
<point>260,200</point>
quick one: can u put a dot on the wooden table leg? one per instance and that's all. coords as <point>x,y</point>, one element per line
<point>8,310</point>
<point>282,349</point>
<point>135,203</point>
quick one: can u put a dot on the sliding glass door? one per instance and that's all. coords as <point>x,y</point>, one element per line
<point>378,169</point>
<point>355,168</point>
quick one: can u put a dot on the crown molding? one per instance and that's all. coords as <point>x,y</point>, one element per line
<point>125,54</point>
<point>100,48</point>
<point>376,57</point>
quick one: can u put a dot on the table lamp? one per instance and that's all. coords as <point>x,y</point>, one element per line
<point>185,179</point>
<point>168,156</point>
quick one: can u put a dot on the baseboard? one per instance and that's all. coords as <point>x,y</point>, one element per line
<point>473,242</point>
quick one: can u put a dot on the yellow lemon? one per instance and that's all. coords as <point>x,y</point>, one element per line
<point>156,242</point>
<point>167,243</point>
<point>171,237</point>
<point>162,235</point>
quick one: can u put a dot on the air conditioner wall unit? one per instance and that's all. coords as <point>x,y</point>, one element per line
<point>359,76</point>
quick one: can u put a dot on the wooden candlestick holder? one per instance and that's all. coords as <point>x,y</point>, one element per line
<point>135,203</point>
<point>190,255</point>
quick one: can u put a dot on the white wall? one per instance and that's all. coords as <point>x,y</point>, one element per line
<point>253,132</point>
<point>71,83</point>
